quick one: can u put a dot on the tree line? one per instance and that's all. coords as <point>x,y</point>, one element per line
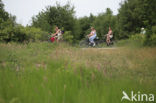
<point>132,16</point>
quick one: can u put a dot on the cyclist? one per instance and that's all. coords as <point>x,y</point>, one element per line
<point>109,36</point>
<point>92,36</point>
<point>57,35</point>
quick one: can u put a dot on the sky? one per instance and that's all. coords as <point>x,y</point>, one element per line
<point>24,10</point>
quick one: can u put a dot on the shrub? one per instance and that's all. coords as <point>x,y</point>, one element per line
<point>154,29</point>
<point>138,37</point>
<point>135,41</point>
<point>68,37</point>
<point>19,33</point>
<point>151,37</point>
<point>35,34</point>
<point>153,40</point>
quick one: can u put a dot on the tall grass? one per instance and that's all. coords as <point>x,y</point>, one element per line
<point>59,73</point>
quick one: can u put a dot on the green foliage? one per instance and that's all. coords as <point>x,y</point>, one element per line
<point>154,29</point>
<point>103,22</point>
<point>19,33</point>
<point>4,21</point>
<point>4,16</point>
<point>153,40</point>
<point>150,36</point>
<point>61,16</point>
<point>40,21</point>
<point>11,31</point>
<point>132,16</point>
<point>135,14</point>
<point>134,41</point>
<point>85,24</point>
<point>150,40</point>
<point>36,34</point>
<point>68,37</point>
<point>139,37</point>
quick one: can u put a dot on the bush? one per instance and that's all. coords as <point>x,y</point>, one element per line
<point>154,29</point>
<point>19,33</point>
<point>151,37</point>
<point>153,40</point>
<point>135,41</point>
<point>35,34</point>
<point>138,37</point>
<point>68,37</point>
<point>11,33</point>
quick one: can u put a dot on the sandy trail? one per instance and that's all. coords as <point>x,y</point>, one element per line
<point>104,48</point>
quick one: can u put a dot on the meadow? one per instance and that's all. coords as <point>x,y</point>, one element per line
<point>59,73</point>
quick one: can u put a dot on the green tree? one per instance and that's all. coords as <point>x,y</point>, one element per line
<point>103,21</point>
<point>61,16</point>
<point>85,23</point>
<point>41,21</point>
<point>4,16</point>
<point>135,14</point>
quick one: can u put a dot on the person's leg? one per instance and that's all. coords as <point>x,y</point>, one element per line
<point>57,40</point>
<point>59,37</point>
<point>91,39</point>
<point>108,39</point>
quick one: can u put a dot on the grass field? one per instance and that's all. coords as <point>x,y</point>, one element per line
<point>59,73</point>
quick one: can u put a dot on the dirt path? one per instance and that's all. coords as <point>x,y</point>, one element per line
<point>104,48</point>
